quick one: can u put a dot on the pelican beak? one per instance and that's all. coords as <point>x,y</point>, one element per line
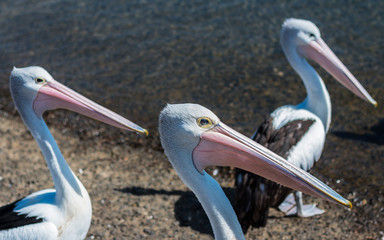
<point>223,146</point>
<point>319,52</point>
<point>55,95</point>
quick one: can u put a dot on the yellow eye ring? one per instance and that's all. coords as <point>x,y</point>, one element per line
<point>204,122</point>
<point>40,80</point>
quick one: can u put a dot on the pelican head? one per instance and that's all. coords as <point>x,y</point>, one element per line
<point>33,88</point>
<point>193,138</point>
<point>301,39</point>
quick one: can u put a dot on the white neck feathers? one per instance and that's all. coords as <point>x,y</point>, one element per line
<point>66,183</point>
<point>318,100</point>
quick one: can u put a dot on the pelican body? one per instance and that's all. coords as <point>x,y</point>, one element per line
<point>193,138</point>
<point>295,132</point>
<point>63,212</point>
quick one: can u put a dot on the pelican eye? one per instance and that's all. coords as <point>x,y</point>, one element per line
<point>40,80</point>
<point>311,35</point>
<point>204,122</point>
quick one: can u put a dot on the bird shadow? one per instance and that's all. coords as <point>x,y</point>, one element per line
<point>188,210</point>
<point>374,135</point>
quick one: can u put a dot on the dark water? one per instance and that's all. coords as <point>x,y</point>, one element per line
<point>136,56</point>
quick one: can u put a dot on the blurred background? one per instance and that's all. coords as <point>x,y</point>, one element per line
<point>136,56</point>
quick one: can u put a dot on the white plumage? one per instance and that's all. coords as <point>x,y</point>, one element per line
<point>194,138</point>
<point>300,40</point>
<point>64,212</point>
<point>310,146</point>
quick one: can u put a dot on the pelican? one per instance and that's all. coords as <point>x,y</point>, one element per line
<point>193,138</point>
<point>296,133</point>
<point>64,212</point>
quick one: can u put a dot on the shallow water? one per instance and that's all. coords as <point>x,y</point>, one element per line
<point>136,56</point>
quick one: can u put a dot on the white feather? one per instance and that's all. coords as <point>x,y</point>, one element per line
<point>308,150</point>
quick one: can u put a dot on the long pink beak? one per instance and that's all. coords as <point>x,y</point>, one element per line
<point>319,51</point>
<point>55,95</point>
<point>223,146</point>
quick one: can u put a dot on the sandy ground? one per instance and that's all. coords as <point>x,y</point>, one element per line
<point>136,56</point>
<point>137,195</point>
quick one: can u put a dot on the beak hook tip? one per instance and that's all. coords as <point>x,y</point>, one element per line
<point>142,130</point>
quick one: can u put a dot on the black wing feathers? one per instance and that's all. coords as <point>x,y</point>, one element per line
<point>255,194</point>
<point>10,219</point>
